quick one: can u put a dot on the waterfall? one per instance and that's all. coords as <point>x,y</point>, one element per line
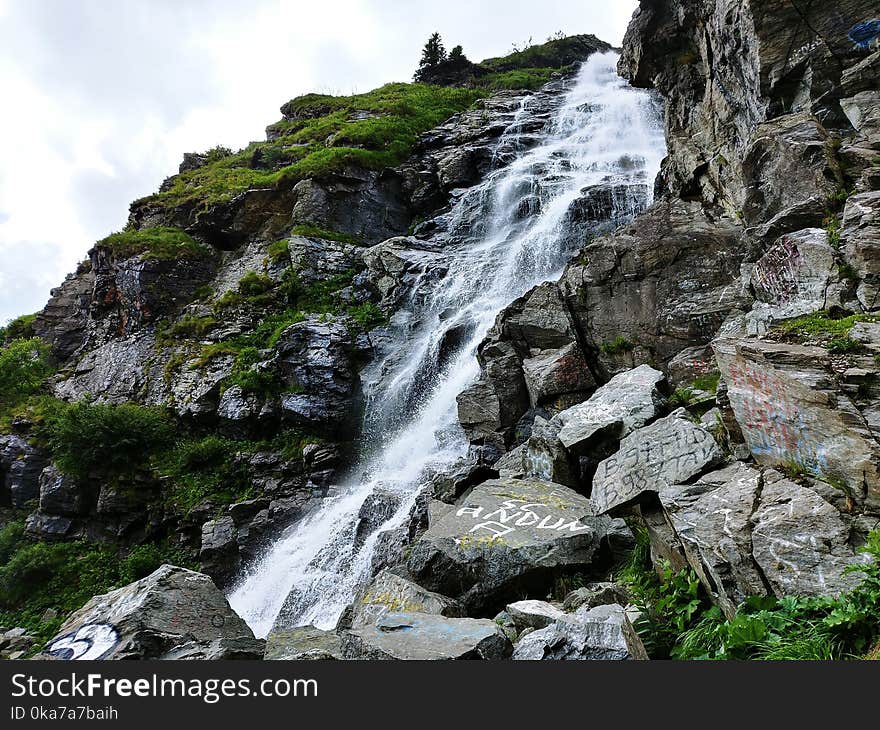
<point>591,168</point>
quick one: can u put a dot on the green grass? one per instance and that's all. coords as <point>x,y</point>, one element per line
<point>618,345</point>
<point>310,231</point>
<point>190,326</point>
<point>20,328</point>
<point>160,243</point>
<point>821,324</point>
<point>521,78</point>
<point>325,139</point>
<point>708,383</point>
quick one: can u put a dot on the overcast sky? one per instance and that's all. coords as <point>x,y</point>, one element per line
<point>101,98</point>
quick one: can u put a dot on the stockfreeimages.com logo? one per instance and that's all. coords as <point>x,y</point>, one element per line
<point>208,690</point>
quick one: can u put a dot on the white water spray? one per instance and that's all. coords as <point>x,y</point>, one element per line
<point>511,232</point>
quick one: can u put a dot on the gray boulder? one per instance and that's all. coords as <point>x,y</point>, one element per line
<point>596,594</point>
<point>626,402</point>
<point>390,593</point>
<point>532,614</point>
<point>172,613</point>
<point>20,466</point>
<point>426,637</point>
<point>505,536</point>
<point>670,451</point>
<point>600,633</point>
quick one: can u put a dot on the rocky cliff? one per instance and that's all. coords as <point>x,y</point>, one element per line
<point>708,371</point>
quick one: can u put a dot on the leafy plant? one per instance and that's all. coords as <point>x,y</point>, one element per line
<point>106,439</point>
<point>617,345</point>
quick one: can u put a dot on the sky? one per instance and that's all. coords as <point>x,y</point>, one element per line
<point>101,98</point>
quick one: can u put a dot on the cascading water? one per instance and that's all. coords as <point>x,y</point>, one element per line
<point>592,167</point>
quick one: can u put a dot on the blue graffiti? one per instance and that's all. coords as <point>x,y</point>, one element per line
<point>862,34</point>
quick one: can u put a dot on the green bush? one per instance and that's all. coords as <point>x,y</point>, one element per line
<point>617,345</point>
<point>205,469</point>
<point>24,365</point>
<point>105,439</point>
<point>20,328</point>
<point>190,326</point>
<point>161,242</point>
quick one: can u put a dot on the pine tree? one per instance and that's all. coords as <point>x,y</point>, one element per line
<point>432,54</point>
<point>456,55</point>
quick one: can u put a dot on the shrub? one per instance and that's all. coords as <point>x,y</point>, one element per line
<point>617,345</point>
<point>161,242</point>
<point>20,328</point>
<point>191,326</point>
<point>24,365</point>
<point>105,439</point>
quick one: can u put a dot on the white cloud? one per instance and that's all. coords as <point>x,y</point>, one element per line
<point>102,97</point>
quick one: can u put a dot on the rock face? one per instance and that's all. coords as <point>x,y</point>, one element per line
<point>426,637</point>
<point>303,642</point>
<point>171,614</point>
<point>507,535</point>
<point>602,633</point>
<point>751,532</point>
<point>672,450</point>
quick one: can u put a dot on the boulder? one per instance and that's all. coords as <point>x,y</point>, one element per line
<point>552,374</point>
<point>596,594</point>
<point>172,613</point>
<point>532,614</point>
<point>506,536</point>
<point>426,637</point>
<point>626,402</point>
<point>60,494</point>
<point>670,451</point>
<point>302,642</point>
<point>601,633</point>
<point>390,593</point>
<point>751,532</point>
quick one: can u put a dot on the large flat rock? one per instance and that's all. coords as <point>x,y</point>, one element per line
<point>426,637</point>
<point>505,536</point>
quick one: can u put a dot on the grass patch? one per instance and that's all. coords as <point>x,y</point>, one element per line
<point>20,328</point>
<point>191,326</point>
<point>161,243</point>
<point>310,231</point>
<point>823,325</point>
<point>321,135</point>
<point>618,345</point>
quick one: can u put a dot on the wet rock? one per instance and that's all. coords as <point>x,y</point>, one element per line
<point>425,636</point>
<point>555,373</point>
<point>315,359</point>
<point>394,265</point>
<point>316,259</point>
<point>790,172</point>
<point>506,536</point>
<point>626,402</point>
<point>171,613</point>
<point>219,554</point>
<point>302,642</point>
<point>390,593</point>
<point>602,633</point>
<point>670,451</point>
<point>659,284</point>
<point>60,494</point>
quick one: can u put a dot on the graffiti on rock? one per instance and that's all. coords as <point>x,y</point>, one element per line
<point>92,641</point>
<point>513,513</point>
